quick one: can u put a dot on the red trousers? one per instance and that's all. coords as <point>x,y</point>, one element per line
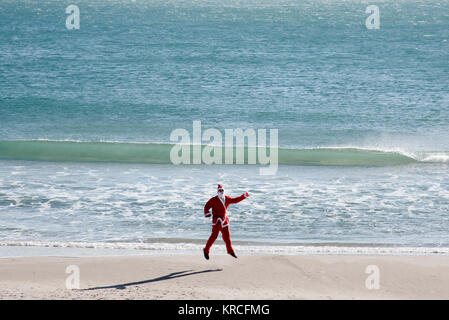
<point>224,233</point>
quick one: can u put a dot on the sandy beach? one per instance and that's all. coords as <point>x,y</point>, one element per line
<point>222,277</point>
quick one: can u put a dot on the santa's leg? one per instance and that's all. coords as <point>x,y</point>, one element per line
<point>212,238</point>
<point>227,239</point>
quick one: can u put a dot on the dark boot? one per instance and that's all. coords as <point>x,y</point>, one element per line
<point>206,255</point>
<point>232,254</point>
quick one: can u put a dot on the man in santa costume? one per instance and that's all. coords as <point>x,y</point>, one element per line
<point>220,222</point>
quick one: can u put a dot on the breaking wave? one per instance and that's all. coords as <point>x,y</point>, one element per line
<point>159,153</point>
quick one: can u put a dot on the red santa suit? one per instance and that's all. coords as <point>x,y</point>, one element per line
<point>220,222</point>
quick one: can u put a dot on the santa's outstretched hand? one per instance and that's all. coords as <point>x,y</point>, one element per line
<point>246,195</point>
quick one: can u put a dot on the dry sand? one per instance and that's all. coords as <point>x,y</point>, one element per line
<point>223,277</point>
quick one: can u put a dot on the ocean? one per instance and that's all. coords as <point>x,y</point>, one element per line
<point>86,116</point>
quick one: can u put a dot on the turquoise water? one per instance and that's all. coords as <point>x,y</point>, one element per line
<point>362,115</point>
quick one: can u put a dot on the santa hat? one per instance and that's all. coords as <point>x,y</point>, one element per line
<point>220,187</point>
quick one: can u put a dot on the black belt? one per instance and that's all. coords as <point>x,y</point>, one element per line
<point>219,216</point>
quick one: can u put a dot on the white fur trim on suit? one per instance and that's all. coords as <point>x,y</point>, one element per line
<point>222,202</point>
<point>222,221</point>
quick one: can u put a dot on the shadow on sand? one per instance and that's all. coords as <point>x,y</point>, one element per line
<point>173,275</point>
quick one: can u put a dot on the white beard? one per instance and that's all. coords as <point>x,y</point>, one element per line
<point>221,196</point>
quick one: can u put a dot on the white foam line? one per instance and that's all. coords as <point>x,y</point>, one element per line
<point>251,249</point>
